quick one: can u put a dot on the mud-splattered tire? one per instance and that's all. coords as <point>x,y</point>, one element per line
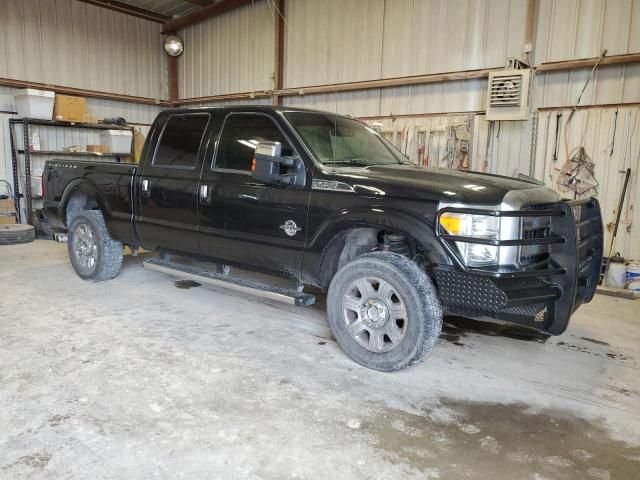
<point>75,206</point>
<point>93,253</point>
<point>384,311</point>
<point>13,234</point>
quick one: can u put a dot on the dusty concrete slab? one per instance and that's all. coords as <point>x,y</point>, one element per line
<point>139,378</point>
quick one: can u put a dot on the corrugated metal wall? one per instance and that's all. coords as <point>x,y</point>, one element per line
<point>341,41</point>
<point>582,28</point>
<point>611,138</point>
<point>338,41</point>
<point>350,40</point>
<point>71,43</point>
<point>229,54</point>
<point>569,29</point>
<point>141,116</point>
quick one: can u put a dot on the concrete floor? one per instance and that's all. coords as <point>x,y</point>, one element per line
<point>135,378</point>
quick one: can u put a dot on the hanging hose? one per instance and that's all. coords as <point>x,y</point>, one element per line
<point>9,190</point>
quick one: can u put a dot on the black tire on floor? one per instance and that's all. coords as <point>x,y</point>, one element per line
<point>414,292</point>
<point>106,253</point>
<point>19,233</point>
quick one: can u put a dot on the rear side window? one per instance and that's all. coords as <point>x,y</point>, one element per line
<point>180,141</point>
<point>240,136</point>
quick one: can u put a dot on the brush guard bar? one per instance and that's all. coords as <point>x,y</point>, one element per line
<point>542,295</point>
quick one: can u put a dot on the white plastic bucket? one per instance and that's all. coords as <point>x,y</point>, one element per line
<point>616,275</point>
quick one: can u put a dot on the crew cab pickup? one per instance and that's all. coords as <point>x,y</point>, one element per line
<point>327,201</point>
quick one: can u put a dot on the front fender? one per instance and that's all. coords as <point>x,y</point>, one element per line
<point>409,224</point>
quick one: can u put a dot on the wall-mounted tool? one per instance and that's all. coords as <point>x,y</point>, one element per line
<point>556,143</point>
<point>615,127</point>
<point>602,55</point>
<point>577,174</point>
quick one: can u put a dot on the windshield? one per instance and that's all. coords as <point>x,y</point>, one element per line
<point>342,141</point>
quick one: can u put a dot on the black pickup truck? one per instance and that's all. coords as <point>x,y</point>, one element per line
<point>327,201</point>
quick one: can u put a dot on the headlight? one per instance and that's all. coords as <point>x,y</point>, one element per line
<point>480,226</point>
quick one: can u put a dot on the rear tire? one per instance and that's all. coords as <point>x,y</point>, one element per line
<point>13,234</point>
<point>93,253</point>
<point>384,311</point>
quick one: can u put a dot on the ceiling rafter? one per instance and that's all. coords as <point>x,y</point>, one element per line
<point>204,13</point>
<point>202,3</point>
<point>128,9</point>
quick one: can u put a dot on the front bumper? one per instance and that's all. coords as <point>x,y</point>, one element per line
<point>541,296</point>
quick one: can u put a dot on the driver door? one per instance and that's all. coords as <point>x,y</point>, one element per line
<point>244,220</point>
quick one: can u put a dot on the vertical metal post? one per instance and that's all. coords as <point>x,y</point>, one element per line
<point>278,68</point>
<point>27,171</point>
<point>14,162</point>
<point>533,152</point>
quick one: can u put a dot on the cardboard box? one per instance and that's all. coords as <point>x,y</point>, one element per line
<point>70,109</point>
<point>7,206</point>
<point>7,219</point>
<point>99,148</point>
<point>138,144</point>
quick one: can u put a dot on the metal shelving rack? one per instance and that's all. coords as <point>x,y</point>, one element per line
<point>26,153</point>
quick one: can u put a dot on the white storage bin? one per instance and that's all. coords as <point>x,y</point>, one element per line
<point>119,141</point>
<point>32,103</point>
<point>37,189</point>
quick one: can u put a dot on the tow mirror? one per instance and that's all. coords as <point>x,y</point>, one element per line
<point>270,166</point>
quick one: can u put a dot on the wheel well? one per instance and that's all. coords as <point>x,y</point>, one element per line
<point>77,203</point>
<point>350,244</point>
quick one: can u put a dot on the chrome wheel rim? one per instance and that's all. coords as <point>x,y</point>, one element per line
<point>85,248</point>
<point>375,314</point>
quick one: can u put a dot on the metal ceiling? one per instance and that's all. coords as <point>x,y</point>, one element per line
<point>168,7</point>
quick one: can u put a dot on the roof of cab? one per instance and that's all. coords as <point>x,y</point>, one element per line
<point>246,108</point>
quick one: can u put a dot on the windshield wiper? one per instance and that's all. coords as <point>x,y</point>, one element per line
<point>350,161</point>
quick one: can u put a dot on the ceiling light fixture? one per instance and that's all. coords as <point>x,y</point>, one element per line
<point>173,45</point>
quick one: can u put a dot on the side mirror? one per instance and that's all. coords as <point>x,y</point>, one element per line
<point>270,166</point>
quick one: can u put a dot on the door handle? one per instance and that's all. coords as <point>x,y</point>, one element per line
<point>205,194</point>
<point>145,185</point>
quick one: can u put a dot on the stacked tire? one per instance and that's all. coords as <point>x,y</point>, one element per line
<point>14,234</point>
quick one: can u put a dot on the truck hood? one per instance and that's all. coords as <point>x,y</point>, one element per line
<point>437,184</point>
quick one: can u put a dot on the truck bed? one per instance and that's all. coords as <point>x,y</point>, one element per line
<point>110,183</point>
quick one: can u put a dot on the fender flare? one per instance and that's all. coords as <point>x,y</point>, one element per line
<point>84,186</point>
<point>414,226</point>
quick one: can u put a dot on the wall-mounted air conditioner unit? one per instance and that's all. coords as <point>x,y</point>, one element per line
<point>508,95</point>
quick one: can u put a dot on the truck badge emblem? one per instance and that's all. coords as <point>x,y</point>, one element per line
<point>290,228</point>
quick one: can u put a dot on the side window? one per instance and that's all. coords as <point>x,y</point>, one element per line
<point>240,136</point>
<point>180,141</point>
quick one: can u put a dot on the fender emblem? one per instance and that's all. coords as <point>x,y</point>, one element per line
<point>290,228</point>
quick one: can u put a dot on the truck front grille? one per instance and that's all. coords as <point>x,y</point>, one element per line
<point>532,228</point>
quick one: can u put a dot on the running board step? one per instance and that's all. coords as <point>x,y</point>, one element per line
<point>202,275</point>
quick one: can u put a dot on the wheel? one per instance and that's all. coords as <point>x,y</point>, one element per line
<point>19,233</point>
<point>384,311</point>
<point>93,253</point>
<point>75,206</point>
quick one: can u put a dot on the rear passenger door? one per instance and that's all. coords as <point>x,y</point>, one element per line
<point>167,187</point>
<point>244,220</point>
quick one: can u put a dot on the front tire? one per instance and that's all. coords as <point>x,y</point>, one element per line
<point>93,253</point>
<point>384,311</point>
